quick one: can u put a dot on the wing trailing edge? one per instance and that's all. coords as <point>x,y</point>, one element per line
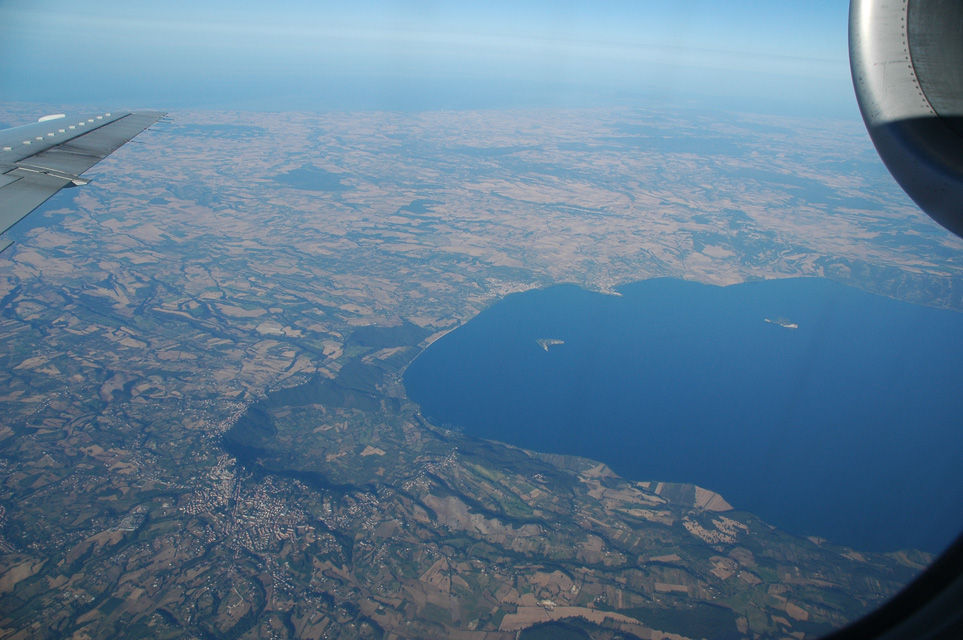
<point>40,159</point>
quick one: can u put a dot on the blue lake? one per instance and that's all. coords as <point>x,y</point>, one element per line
<point>849,427</point>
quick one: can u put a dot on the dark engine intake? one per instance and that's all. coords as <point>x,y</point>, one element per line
<point>907,63</point>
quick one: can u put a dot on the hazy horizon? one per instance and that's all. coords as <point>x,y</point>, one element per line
<point>410,56</point>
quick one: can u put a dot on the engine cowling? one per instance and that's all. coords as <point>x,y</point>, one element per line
<point>906,58</point>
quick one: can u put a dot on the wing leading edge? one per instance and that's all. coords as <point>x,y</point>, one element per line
<point>37,160</point>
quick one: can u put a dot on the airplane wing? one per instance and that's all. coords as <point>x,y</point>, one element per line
<point>37,160</point>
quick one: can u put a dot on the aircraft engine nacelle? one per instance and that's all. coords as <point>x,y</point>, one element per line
<point>907,63</point>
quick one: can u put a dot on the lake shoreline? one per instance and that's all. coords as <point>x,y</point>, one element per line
<point>722,345</point>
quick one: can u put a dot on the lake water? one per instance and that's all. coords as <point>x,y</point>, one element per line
<point>849,427</point>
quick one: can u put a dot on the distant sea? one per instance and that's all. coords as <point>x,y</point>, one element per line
<point>848,426</point>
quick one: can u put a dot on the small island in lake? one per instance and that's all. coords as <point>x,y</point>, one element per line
<point>545,343</point>
<point>783,322</point>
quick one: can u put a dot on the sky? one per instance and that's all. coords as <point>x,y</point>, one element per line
<point>761,56</point>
